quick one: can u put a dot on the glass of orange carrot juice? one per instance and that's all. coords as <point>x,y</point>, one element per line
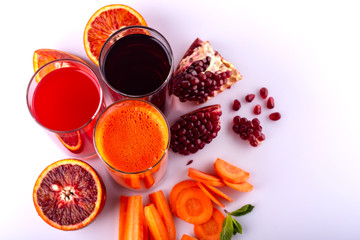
<point>132,138</point>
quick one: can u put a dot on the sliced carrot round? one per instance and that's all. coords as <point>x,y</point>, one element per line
<point>187,237</point>
<point>241,187</point>
<point>105,22</point>
<point>176,190</point>
<point>230,172</point>
<point>193,206</point>
<point>207,193</point>
<point>212,228</point>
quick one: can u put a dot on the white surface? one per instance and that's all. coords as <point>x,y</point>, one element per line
<point>306,173</point>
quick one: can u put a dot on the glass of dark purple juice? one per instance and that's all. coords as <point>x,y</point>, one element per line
<point>137,62</point>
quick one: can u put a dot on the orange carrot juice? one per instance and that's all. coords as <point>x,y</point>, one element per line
<point>132,138</point>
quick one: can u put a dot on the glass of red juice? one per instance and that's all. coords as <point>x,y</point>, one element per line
<point>65,98</point>
<point>137,62</point>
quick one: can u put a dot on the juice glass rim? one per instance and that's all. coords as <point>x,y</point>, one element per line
<point>132,100</point>
<point>169,50</point>
<point>98,87</point>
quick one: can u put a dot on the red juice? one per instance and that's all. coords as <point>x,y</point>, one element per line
<point>65,99</point>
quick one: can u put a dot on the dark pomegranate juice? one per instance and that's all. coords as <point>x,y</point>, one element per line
<point>136,65</point>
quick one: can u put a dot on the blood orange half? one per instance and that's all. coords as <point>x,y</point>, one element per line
<point>105,22</point>
<point>43,56</point>
<point>69,194</point>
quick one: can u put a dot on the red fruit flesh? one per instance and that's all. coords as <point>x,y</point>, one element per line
<point>264,92</point>
<point>249,97</point>
<point>275,116</point>
<point>270,103</point>
<point>202,73</point>
<point>195,129</point>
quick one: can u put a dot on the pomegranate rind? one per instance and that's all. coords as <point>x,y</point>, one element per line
<point>106,21</point>
<point>101,194</point>
<point>199,50</point>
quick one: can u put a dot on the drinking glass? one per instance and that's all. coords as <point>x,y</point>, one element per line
<point>132,139</point>
<point>50,85</point>
<point>137,62</point>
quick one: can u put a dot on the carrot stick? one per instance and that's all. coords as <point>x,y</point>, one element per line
<point>200,174</point>
<point>175,191</point>
<point>218,192</point>
<point>134,228</point>
<point>148,180</point>
<point>162,206</point>
<point>187,237</point>
<point>212,183</point>
<point>156,225</point>
<point>211,229</point>
<point>193,206</point>
<point>242,187</point>
<point>230,172</point>
<point>133,181</point>
<point>122,216</point>
<point>207,193</point>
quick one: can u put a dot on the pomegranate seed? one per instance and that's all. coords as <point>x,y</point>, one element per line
<point>189,162</point>
<point>257,109</point>
<point>236,105</point>
<point>249,130</point>
<point>249,97</point>
<point>264,92</point>
<point>270,103</point>
<point>275,116</point>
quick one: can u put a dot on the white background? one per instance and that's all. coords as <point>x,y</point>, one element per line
<point>305,174</point>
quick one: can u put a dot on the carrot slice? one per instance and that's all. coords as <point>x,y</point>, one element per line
<point>193,206</point>
<point>200,174</point>
<point>145,226</point>
<point>230,172</point>
<point>148,180</point>
<point>162,206</point>
<point>175,191</point>
<point>242,187</point>
<point>134,227</point>
<point>156,225</point>
<point>122,215</point>
<point>211,229</point>
<point>212,183</point>
<point>133,181</point>
<point>212,197</point>
<point>218,192</point>
<point>187,237</point>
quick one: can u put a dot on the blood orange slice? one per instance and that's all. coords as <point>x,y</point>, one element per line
<point>105,22</point>
<point>69,194</point>
<point>43,56</point>
<point>71,140</point>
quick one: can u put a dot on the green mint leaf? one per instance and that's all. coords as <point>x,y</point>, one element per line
<point>243,210</point>
<point>237,227</point>
<point>228,228</point>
